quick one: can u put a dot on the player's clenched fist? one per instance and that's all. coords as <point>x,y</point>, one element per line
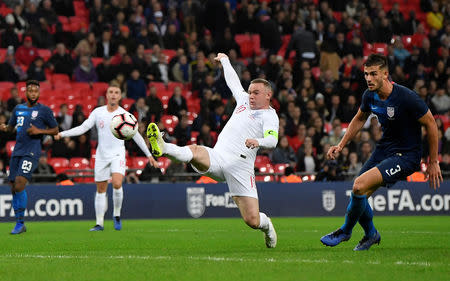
<point>220,55</point>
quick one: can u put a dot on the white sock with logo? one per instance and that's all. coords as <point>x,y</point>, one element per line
<point>263,222</point>
<point>181,153</point>
<point>117,200</point>
<point>100,204</point>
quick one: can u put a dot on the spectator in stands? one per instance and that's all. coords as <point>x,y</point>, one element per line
<point>163,68</point>
<point>63,118</point>
<point>139,109</point>
<point>61,61</point>
<point>85,72</point>
<point>105,46</point>
<point>225,44</point>
<point>17,20</point>
<point>396,18</point>
<point>426,56</point>
<point>205,138</point>
<point>177,103</point>
<point>289,176</point>
<point>349,109</point>
<point>43,38</point>
<point>10,70</point>
<point>160,25</point>
<point>36,70</point>
<point>78,116</point>
<point>26,53</point>
<point>435,18</point>
<point>441,101</point>
<point>63,148</point>
<point>283,153</point>
<point>181,71</point>
<point>3,175</point>
<point>190,9</point>
<point>126,40</point>
<point>173,39</point>
<point>8,36</point>
<point>182,131</point>
<point>136,86</point>
<point>14,100</point>
<point>155,106</point>
<point>303,43</point>
<point>269,33</point>
<point>256,66</point>
<point>306,159</point>
<point>45,172</point>
<point>105,70</point>
<point>46,11</point>
<point>82,146</point>
<point>63,179</point>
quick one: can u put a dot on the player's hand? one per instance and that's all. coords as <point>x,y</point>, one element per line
<point>333,152</point>
<point>33,130</point>
<point>434,175</point>
<point>57,137</point>
<point>153,162</point>
<point>251,143</point>
<point>219,56</point>
<point>3,127</point>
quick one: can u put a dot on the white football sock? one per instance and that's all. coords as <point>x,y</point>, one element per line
<point>100,204</point>
<point>263,222</point>
<point>181,153</point>
<point>117,200</point>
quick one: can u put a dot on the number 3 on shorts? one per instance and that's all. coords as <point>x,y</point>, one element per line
<point>27,165</point>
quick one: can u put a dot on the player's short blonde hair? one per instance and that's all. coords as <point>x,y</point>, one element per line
<point>264,82</point>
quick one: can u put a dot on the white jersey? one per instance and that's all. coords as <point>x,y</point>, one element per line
<point>245,123</point>
<point>108,145</point>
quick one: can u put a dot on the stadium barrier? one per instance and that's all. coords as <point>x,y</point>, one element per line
<point>50,202</point>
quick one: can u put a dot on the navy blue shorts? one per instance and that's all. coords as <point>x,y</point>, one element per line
<point>23,166</point>
<point>394,167</point>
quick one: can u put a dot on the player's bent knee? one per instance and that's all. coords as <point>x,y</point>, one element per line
<point>359,187</point>
<point>252,220</point>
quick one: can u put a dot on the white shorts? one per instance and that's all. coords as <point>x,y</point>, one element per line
<point>238,173</point>
<point>104,168</point>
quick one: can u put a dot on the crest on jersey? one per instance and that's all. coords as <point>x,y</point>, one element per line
<point>102,124</point>
<point>328,200</point>
<point>390,111</point>
<point>34,114</point>
<point>195,201</point>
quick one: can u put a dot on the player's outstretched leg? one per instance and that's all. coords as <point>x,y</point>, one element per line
<point>371,235</point>
<point>159,147</point>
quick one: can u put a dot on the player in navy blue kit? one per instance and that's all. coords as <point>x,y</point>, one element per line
<point>401,114</point>
<point>31,120</point>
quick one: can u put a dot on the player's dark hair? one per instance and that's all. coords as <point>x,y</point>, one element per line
<point>376,59</point>
<point>263,81</point>
<point>32,82</point>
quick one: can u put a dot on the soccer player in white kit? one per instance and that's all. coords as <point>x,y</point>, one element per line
<point>110,155</point>
<point>253,124</point>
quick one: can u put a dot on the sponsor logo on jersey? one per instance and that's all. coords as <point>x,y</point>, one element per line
<point>328,200</point>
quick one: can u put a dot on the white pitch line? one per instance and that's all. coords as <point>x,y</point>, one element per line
<point>223,259</point>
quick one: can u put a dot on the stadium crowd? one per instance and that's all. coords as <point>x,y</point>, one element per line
<point>161,54</point>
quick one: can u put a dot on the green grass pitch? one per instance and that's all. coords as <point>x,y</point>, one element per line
<point>412,248</point>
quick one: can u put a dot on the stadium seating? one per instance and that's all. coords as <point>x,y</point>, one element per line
<point>164,163</point>
<point>265,168</point>
<point>80,163</point>
<point>170,122</point>
<point>138,163</point>
<point>127,103</point>
<point>59,164</point>
<point>10,147</point>
<point>160,86</point>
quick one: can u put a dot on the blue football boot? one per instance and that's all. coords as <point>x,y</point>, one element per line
<point>19,228</point>
<point>367,242</point>
<point>334,238</point>
<point>117,223</point>
<point>97,228</point>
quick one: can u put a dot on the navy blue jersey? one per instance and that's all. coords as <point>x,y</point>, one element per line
<point>398,116</point>
<point>22,116</point>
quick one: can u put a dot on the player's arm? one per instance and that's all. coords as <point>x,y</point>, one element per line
<point>231,77</point>
<point>139,140</point>
<point>36,131</point>
<point>355,125</point>
<point>270,129</point>
<point>433,169</point>
<point>79,130</point>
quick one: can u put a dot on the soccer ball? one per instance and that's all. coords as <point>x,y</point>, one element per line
<point>124,126</point>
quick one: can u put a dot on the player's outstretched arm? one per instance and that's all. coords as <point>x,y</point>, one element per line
<point>433,170</point>
<point>230,74</point>
<point>355,125</point>
<point>36,131</point>
<point>139,140</point>
<point>79,130</point>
